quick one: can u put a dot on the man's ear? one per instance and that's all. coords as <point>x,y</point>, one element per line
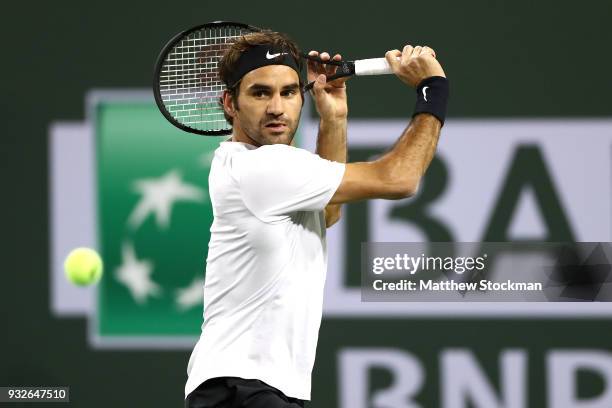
<point>228,103</point>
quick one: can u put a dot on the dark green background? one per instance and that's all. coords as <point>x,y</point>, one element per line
<point>505,59</point>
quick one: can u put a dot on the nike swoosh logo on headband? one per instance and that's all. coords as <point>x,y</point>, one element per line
<point>272,56</point>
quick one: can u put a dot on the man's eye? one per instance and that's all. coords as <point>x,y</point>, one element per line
<point>289,92</point>
<point>260,94</point>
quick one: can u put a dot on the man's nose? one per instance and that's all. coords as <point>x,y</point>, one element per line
<point>275,106</point>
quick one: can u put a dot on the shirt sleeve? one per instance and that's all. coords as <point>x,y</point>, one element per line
<point>279,179</point>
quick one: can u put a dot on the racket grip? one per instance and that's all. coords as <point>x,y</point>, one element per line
<point>372,66</point>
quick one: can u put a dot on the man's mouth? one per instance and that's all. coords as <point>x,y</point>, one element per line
<point>276,125</point>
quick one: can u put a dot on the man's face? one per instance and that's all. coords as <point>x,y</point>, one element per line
<point>269,105</point>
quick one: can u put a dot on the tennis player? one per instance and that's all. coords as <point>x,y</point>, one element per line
<point>272,203</point>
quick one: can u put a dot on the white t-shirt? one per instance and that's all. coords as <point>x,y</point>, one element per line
<point>266,266</point>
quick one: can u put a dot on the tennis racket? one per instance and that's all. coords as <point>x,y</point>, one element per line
<point>186,84</point>
<point>187,87</point>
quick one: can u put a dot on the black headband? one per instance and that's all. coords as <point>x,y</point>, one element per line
<point>261,56</point>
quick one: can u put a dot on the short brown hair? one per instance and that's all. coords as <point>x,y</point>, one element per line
<point>229,61</point>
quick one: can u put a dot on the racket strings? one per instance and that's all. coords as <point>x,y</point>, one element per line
<point>189,84</point>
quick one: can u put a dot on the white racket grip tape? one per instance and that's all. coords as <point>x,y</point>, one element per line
<point>372,66</point>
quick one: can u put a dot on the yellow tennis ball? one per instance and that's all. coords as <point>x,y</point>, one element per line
<point>83,266</point>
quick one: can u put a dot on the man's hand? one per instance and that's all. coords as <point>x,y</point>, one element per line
<point>330,98</point>
<point>414,64</point>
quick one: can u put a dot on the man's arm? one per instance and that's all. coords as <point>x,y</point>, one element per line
<point>330,99</point>
<point>397,174</point>
<point>331,145</point>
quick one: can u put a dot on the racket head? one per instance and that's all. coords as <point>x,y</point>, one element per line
<point>186,84</point>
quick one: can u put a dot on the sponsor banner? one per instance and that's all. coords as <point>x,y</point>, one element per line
<point>460,363</point>
<point>154,217</point>
<point>146,208</point>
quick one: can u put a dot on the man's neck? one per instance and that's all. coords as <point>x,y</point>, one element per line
<point>239,136</point>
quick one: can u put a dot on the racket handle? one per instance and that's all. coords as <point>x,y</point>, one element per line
<point>372,66</point>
